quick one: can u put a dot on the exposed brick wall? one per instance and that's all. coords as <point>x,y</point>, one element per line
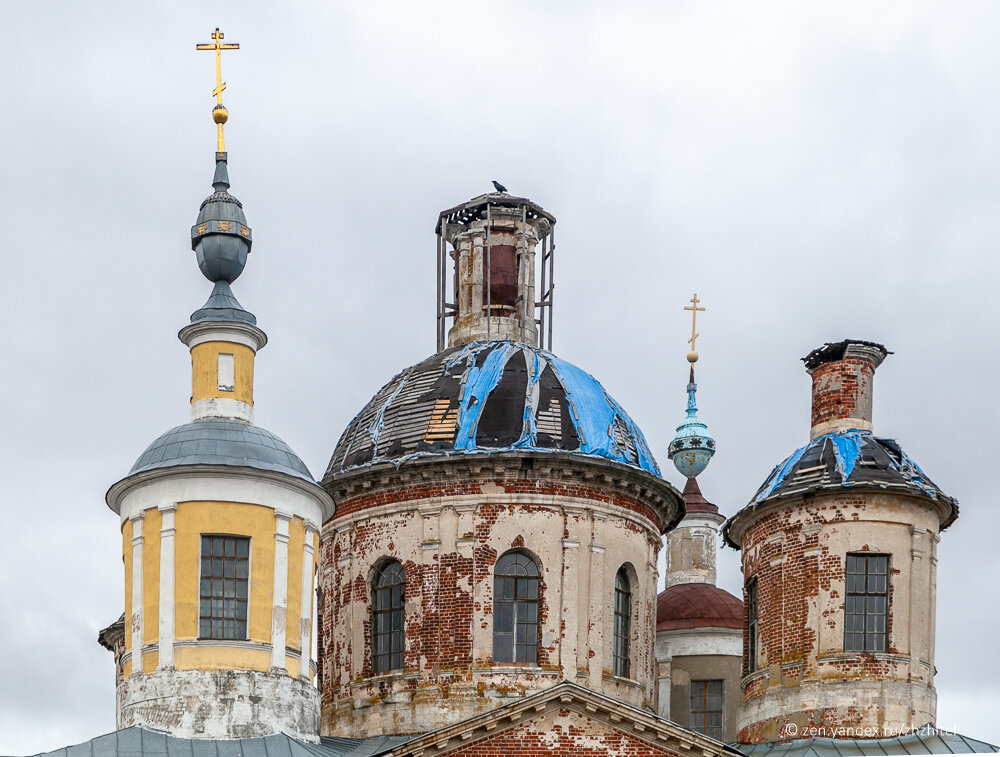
<point>448,537</point>
<point>562,732</point>
<point>804,677</point>
<point>842,389</point>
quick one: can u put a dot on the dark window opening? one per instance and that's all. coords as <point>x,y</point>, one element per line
<point>706,708</point>
<point>622,628</point>
<point>225,573</point>
<point>515,609</point>
<point>388,600</point>
<point>866,604</point>
<point>752,627</point>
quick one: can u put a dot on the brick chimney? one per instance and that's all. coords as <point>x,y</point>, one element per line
<point>842,374</point>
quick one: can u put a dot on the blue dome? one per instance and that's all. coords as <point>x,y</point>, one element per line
<point>490,397</point>
<point>850,458</point>
<point>220,442</point>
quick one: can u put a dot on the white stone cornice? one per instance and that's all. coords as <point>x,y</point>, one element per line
<point>223,331</point>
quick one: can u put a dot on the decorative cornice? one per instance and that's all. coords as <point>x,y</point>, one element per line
<point>557,467</point>
<point>235,331</point>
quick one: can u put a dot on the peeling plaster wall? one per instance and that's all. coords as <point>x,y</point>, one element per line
<point>220,704</point>
<point>564,732</point>
<point>448,538</point>
<point>797,551</point>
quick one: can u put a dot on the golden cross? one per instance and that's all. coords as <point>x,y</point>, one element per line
<point>694,317</point>
<point>220,114</point>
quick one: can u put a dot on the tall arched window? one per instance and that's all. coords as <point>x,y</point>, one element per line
<point>515,609</point>
<point>388,597</point>
<point>623,615</point>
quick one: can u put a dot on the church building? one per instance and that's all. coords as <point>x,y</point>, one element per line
<point>479,559</point>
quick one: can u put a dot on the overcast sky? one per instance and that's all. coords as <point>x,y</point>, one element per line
<point>814,171</point>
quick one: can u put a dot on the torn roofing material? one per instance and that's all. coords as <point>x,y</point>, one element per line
<point>851,458</point>
<point>490,397</point>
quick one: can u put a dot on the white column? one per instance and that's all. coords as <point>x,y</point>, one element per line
<point>279,608</point>
<point>137,593</point>
<point>305,613</point>
<point>165,643</point>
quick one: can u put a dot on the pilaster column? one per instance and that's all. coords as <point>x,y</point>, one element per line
<point>305,614</point>
<point>137,631</point>
<point>165,643</point>
<point>279,607</point>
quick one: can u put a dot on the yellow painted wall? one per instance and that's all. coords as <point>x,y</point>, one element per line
<point>205,370</point>
<point>151,578</point>
<point>196,518</point>
<point>296,538</point>
<point>221,658</point>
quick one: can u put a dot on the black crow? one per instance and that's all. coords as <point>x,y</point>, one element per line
<point>500,187</point>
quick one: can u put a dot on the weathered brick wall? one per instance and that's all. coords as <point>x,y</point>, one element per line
<point>804,680</point>
<point>448,536</point>
<point>563,732</point>
<point>842,389</point>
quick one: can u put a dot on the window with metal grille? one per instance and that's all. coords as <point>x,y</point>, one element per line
<point>706,708</point>
<point>225,573</point>
<point>388,618</point>
<point>622,629</point>
<point>515,609</point>
<point>866,603</point>
<point>751,590</point>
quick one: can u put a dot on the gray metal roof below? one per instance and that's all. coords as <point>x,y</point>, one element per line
<point>221,442</point>
<point>137,741</point>
<point>925,741</point>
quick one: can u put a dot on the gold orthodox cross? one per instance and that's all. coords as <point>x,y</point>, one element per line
<point>694,318</point>
<point>220,115</point>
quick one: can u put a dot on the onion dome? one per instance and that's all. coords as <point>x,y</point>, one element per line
<point>847,459</point>
<point>491,397</point>
<point>692,448</point>
<point>221,238</point>
<point>697,606</point>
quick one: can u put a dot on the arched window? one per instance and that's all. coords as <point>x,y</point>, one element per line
<point>623,615</point>
<point>388,597</point>
<point>515,609</point>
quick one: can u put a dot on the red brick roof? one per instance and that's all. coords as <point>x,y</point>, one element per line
<point>697,606</point>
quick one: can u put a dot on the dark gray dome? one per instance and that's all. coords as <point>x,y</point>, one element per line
<point>220,442</point>
<point>491,397</point>
<point>221,238</point>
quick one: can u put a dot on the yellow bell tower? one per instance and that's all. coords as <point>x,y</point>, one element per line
<point>220,528</point>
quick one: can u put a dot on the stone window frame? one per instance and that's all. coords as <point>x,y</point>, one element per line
<point>232,566</point>
<point>875,597</point>
<point>707,692</point>
<point>388,602</point>
<point>621,636</point>
<point>752,605</point>
<point>525,611</point>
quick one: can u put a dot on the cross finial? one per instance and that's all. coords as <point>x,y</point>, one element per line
<point>693,355</point>
<point>219,114</point>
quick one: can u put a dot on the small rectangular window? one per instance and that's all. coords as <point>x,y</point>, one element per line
<point>227,372</point>
<point>866,603</point>
<point>225,575</point>
<point>706,708</point>
<point>752,627</point>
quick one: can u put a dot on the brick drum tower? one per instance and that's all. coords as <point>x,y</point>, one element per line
<point>498,514</point>
<point>839,560</point>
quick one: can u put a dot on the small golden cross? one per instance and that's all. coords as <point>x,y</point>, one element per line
<point>694,317</point>
<point>218,45</point>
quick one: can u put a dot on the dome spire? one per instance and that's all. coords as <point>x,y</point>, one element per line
<point>692,448</point>
<point>219,113</point>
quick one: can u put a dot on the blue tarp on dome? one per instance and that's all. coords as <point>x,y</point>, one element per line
<point>490,397</point>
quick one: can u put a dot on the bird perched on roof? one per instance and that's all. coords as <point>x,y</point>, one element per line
<point>500,187</point>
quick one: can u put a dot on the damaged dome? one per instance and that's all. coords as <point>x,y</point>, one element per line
<point>487,397</point>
